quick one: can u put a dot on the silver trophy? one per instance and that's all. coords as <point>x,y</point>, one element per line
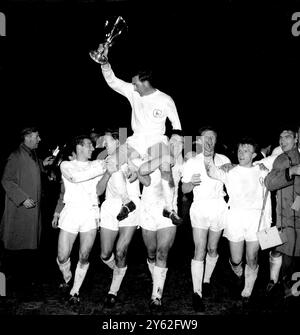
<point>112,30</point>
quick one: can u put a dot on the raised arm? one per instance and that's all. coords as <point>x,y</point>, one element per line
<point>97,168</point>
<point>113,82</point>
<point>213,171</point>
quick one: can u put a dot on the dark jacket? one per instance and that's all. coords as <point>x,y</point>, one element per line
<point>21,227</point>
<point>287,190</point>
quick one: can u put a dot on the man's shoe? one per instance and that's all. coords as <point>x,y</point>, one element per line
<point>206,290</point>
<point>155,304</point>
<point>198,304</point>
<point>110,300</point>
<point>64,290</point>
<point>74,300</point>
<point>125,210</point>
<point>176,219</point>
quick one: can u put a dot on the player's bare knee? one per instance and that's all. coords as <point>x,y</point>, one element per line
<point>121,254</point>
<point>235,261</point>
<point>199,253</point>
<point>83,257</point>
<point>212,251</point>
<point>62,258</point>
<point>252,262</point>
<point>162,254</point>
<point>105,255</point>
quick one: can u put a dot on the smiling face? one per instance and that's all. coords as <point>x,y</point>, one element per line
<point>85,149</point>
<point>287,140</point>
<point>176,145</point>
<point>110,143</point>
<point>246,153</point>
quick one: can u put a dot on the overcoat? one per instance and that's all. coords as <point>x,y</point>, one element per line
<point>21,227</point>
<point>287,190</point>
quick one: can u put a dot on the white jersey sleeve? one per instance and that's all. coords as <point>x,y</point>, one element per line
<point>115,83</point>
<point>172,114</point>
<point>72,174</point>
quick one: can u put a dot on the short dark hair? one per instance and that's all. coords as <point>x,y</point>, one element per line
<point>145,75</point>
<point>207,128</point>
<point>26,131</point>
<point>113,132</point>
<point>78,140</point>
<point>248,140</point>
<point>294,130</point>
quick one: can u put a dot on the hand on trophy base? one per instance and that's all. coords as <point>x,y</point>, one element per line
<point>100,55</point>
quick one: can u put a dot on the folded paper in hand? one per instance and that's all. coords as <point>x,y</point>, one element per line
<point>270,237</point>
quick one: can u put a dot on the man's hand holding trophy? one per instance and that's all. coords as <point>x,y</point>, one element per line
<point>100,55</point>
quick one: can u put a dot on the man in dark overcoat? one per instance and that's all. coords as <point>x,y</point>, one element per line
<point>20,228</point>
<point>284,178</point>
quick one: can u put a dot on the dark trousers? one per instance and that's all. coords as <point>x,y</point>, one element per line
<point>20,268</point>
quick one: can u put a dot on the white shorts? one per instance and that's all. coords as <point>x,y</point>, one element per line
<point>151,217</point>
<point>78,219</point>
<point>141,142</point>
<point>242,225</point>
<point>110,208</point>
<point>209,214</point>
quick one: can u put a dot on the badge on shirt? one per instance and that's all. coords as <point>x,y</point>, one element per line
<point>157,113</point>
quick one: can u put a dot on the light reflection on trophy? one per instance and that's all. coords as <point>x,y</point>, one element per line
<point>113,30</point>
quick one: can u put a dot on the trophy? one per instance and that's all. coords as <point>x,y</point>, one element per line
<point>112,30</point>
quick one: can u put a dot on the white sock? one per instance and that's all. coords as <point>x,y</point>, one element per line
<point>80,273</point>
<point>150,267</point>
<point>237,269</point>
<point>168,193</point>
<point>65,269</point>
<point>275,265</point>
<point>250,278</point>
<point>111,263</point>
<point>210,264</point>
<point>117,279</point>
<point>159,277</point>
<point>197,268</point>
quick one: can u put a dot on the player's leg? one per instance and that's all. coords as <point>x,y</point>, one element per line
<point>119,271</point>
<point>236,264</point>
<point>275,261</point>
<point>64,248</point>
<point>149,238</point>
<point>210,259</point>
<point>197,266</point>
<point>120,157</point>
<point>160,158</point>
<point>87,239</point>
<point>165,239</point>
<point>251,268</point>
<point>107,242</point>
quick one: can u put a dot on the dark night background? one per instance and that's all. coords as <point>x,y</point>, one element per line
<point>228,63</point>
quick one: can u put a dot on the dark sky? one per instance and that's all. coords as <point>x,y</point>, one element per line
<point>233,64</point>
